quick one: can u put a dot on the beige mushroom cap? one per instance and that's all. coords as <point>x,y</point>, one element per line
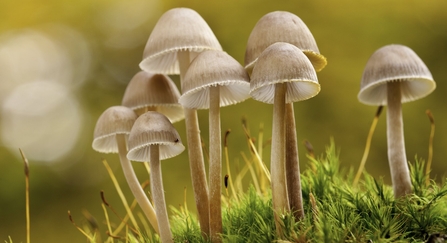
<point>283,63</point>
<point>394,63</point>
<point>156,92</point>
<point>114,120</point>
<point>282,26</point>
<point>178,29</point>
<point>214,68</point>
<point>153,128</point>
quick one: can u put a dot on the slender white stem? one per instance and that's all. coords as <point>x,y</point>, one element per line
<point>134,184</point>
<point>159,195</point>
<point>215,165</point>
<point>292,165</point>
<point>196,162</point>
<point>277,166</point>
<point>397,158</point>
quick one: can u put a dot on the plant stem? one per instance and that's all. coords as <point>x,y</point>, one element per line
<point>292,165</point>
<point>134,184</point>
<point>159,195</point>
<point>430,148</point>
<point>27,203</point>
<point>367,146</point>
<point>196,163</point>
<point>277,166</point>
<point>397,158</point>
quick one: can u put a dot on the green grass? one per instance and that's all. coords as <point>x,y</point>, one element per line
<point>335,210</point>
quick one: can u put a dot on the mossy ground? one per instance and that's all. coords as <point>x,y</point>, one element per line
<point>336,211</point>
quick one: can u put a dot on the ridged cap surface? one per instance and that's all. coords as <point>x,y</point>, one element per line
<point>153,128</point>
<point>114,120</point>
<point>214,68</point>
<point>157,92</point>
<point>283,63</point>
<point>395,63</point>
<point>178,29</point>
<point>282,26</point>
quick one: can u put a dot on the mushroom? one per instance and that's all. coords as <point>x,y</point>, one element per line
<point>156,92</point>
<point>282,26</point>
<point>394,74</point>
<point>214,79</point>
<point>110,136</point>
<point>282,74</point>
<point>179,35</point>
<point>154,138</point>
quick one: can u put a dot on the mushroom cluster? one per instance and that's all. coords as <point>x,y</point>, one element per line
<point>281,64</point>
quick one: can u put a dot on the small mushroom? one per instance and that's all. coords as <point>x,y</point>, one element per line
<point>214,79</point>
<point>110,136</point>
<point>282,74</point>
<point>179,35</point>
<point>155,92</point>
<point>394,74</point>
<point>154,138</point>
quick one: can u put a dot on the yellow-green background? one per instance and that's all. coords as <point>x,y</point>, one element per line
<point>347,33</point>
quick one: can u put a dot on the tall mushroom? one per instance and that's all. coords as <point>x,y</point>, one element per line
<point>179,35</point>
<point>110,136</point>
<point>282,74</point>
<point>214,79</point>
<point>394,74</point>
<point>154,138</point>
<point>282,26</point>
<point>153,92</point>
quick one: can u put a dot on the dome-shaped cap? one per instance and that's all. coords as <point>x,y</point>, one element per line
<point>283,63</point>
<point>214,68</point>
<point>282,26</point>
<point>178,29</point>
<point>115,120</point>
<point>156,92</point>
<point>394,63</point>
<point>153,128</point>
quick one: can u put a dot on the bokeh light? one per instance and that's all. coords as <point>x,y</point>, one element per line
<point>43,119</point>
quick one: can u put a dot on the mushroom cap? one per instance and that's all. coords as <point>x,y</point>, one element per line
<point>283,63</point>
<point>178,29</point>
<point>153,128</point>
<point>394,63</point>
<point>114,120</point>
<point>214,68</point>
<point>156,91</point>
<point>282,26</point>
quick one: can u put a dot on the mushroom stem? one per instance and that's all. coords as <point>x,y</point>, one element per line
<point>134,184</point>
<point>292,165</point>
<point>278,175</point>
<point>397,159</point>
<point>215,165</point>
<point>196,163</point>
<point>158,195</point>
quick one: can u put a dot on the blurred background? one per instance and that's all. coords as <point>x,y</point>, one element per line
<point>62,63</point>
